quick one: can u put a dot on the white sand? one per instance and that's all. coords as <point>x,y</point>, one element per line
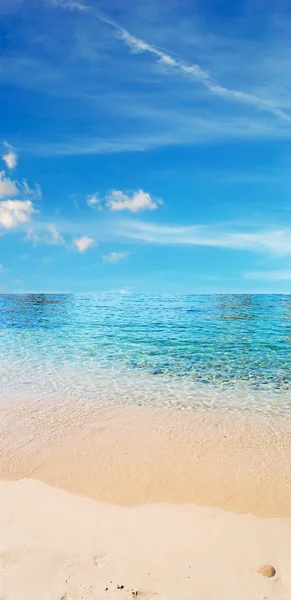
<point>55,545</point>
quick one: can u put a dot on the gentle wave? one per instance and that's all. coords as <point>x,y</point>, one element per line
<point>224,351</point>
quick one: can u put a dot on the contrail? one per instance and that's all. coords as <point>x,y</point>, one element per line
<point>138,45</point>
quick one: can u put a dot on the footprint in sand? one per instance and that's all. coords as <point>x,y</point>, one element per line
<point>99,560</point>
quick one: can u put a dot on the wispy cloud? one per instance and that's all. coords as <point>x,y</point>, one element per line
<point>55,236</point>
<point>159,104</point>
<point>15,212</point>
<point>114,257</point>
<point>88,146</point>
<point>277,275</point>
<point>25,190</point>
<point>273,241</point>
<point>10,157</point>
<point>70,5</point>
<point>171,129</point>
<point>138,45</point>
<point>84,243</point>
<point>31,236</point>
<point>133,202</point>
<point>94,201</point>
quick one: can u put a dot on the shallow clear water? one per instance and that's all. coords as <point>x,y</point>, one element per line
<point>224,351</point>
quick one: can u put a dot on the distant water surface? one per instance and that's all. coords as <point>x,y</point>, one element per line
<point>228,352</point>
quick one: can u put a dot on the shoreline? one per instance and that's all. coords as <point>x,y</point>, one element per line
<point>129,455</point>
<point>126,502</point>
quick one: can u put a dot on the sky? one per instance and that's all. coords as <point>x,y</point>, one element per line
<point>145,146</point>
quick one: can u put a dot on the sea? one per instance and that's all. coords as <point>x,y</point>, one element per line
<point>189,352</point>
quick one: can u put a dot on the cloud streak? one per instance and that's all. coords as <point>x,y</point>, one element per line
<point>272,241</point>
<point>138,45</point>
<point>195,71</point>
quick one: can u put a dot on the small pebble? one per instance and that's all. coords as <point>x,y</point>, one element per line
<point>266,571</point>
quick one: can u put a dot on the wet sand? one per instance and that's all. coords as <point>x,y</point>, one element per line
<point>133,455</point>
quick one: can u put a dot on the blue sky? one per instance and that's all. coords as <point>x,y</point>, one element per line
<point>145,146</point>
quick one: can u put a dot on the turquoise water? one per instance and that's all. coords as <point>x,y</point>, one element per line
<point>225,351</point>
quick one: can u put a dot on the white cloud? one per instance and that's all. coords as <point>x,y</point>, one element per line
<point>55,236</point>
<point>15,212</point>
<point>10,188</point>
<point>114,257</point>
<point>94,201</point>
<point>273,241</point>
<point>84,243</point>
<point>279,275</point>
<point>10,157</point>
<point>7,187</point>
<point>137,201</point>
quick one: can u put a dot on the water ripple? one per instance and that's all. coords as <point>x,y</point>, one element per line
<point>224,350</point>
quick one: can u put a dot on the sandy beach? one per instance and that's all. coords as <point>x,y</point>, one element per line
<point>145,300</point>
<point>105,502</point>
<point>55,545</point>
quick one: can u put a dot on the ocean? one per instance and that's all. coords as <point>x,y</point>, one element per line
<point>190,352</point>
